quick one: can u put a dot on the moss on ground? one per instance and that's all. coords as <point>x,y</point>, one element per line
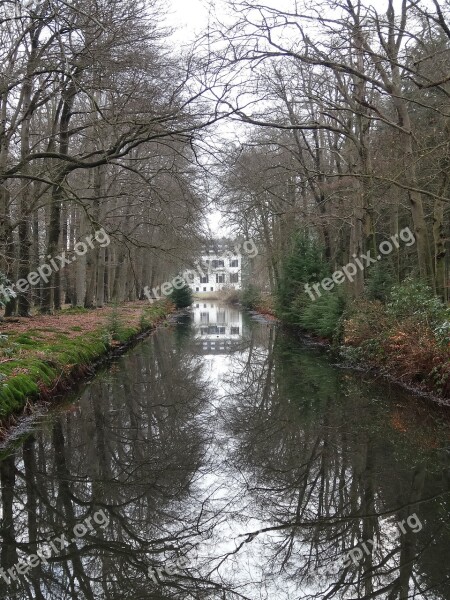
<point>36,362</point>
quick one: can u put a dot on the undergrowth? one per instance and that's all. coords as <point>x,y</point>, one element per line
<point>408,336</point>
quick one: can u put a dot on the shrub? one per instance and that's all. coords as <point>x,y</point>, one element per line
<point>114,325</point>
<point>182,297</point>
<point>379,283</point>
<point>442,333</point>
<point>230,296</point>
<point>304,264</point>
<point>364,320</point>
<point>408,336</point>
<point>4,281</point>
<point>414,351</point>
<point>266,304</point>
<point>414,298</point>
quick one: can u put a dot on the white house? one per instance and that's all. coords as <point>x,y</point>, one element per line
<point>221,268</point>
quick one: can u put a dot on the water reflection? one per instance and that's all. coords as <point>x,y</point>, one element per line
<point>258,461</point>
<point>330,465</point>
<point>218,328</point>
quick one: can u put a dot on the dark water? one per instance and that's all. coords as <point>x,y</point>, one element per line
<point>230,445</point>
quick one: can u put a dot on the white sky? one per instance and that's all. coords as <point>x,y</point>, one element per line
<point>190,18</point>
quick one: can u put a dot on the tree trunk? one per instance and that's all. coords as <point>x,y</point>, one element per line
<point>52,298</point>
<point>440,250</point>
<point>410,176</point>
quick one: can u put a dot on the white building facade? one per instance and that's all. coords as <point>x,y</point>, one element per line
<point>221,268</point>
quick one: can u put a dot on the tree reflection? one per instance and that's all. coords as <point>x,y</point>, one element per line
<point>266,477</point>
<point>326,472</point>
<point>133,447</point>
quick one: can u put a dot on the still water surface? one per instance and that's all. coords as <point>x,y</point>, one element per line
<point>227,443</point>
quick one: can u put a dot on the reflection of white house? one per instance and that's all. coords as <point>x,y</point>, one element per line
<point>216,326</point>
<point>221,267</point>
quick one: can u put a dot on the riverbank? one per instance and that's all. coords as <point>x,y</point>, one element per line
<point>42,356</point>
<point>403,343</point>
<point>404,348</point>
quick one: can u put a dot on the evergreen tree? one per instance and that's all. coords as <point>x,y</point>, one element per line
<point>304,264</point>
<point>182,297</point>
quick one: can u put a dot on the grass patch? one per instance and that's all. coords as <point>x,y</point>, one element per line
<point>37,363</point>
<point>25,340</point>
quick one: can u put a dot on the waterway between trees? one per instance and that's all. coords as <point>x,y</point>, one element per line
<point>222,458</point>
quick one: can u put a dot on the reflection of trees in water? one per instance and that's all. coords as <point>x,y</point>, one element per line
<point>322,466</point>
<point>312,458</point>
<point>133,447</point>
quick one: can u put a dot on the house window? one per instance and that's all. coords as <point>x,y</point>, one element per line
<point>204,317</point>
<point>234,277</point>
<point>234,262</point>
<point>221,316</point>
<point>220,278</point>
<point>221,330</point>
<point>197,289</point>
<point>204,289</point>
<point>235,331</point>
<point>197,305</point>
<point>218,263</point>
<point>204,279</point>
<point>212,289</point>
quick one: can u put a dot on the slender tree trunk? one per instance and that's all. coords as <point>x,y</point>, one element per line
<point>94,254</point>
<point>52,298</point>
<point>414,197</point>
<point>80,265</point>
<point>440,250</point>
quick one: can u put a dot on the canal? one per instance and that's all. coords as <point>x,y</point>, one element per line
<point>222,458</point>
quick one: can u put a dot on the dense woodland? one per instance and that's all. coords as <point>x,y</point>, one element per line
<point>339,112</point>
<point>347,111</point>
<point>98,119</point>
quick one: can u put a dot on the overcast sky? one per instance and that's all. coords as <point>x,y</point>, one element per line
<point>190,17</point>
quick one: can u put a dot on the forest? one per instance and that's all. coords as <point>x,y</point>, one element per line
<point>321,131</point>
<point>98,119</point>
<point>278,431</point>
